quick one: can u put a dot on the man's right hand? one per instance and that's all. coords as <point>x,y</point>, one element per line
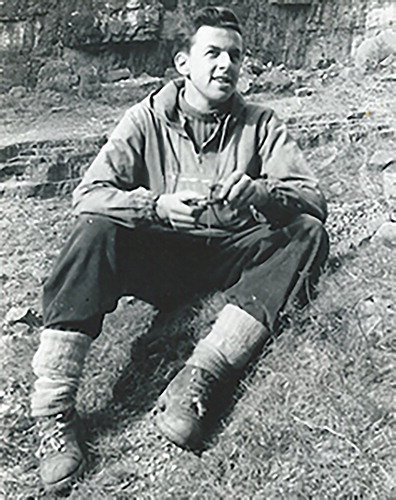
<point>174,209</point>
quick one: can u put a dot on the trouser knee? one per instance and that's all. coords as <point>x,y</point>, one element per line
<point>268,267</point>
<point>311,226</point>
<point>84,282</point>
<point>94,228</point>
<point>314,231</point>
<point>92,238</point>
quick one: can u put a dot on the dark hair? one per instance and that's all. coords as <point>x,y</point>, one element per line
<point>218,17</point>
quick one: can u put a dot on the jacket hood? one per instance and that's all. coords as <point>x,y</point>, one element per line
<point>164,102</point>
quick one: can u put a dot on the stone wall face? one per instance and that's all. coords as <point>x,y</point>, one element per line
<point>301,34</point>
<point>140,34</point>
<point>380,15</point>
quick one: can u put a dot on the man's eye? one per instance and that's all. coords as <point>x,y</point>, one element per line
<point>235,56</point>
<point>213,53</point>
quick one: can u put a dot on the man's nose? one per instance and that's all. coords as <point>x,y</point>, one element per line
<point>224,60</point>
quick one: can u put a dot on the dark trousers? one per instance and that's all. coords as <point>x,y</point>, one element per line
<point>259,269</point>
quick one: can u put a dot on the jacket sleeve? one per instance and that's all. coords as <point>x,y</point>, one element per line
<point>116,184</point>
<point>288,185</point>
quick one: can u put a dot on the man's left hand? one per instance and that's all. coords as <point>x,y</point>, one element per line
<point>241,191</point>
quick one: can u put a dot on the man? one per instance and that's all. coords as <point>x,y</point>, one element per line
<point>195,191</point>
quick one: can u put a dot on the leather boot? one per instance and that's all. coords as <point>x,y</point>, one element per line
<point>183,406</point>
<point>60,455</point>
<point>58,364</point>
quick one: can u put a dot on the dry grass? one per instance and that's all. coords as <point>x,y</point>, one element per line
<point>314,417</point>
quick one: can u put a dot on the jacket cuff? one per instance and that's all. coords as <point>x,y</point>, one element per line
<point>272,195</point>
<point>143,203</point>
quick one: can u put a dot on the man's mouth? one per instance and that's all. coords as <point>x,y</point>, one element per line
<point>225,80</point>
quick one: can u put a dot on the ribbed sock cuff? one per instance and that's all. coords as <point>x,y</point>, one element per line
<point>52,396</point>
<point>208,358</point>
<point>58,364</point>
<point>234,338</point>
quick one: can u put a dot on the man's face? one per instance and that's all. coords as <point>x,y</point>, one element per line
<point>212,66</point>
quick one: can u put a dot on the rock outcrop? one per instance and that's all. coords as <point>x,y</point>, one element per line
<point>139,35</point>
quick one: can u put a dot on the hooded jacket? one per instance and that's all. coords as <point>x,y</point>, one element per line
<point>145,154</point>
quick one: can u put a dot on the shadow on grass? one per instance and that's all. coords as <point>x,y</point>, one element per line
<point>155,358</point>
<point>229,395</point>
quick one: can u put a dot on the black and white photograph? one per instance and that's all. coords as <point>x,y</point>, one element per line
<point>197,258</point>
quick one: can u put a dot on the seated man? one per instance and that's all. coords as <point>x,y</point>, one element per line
<point>196,191</point>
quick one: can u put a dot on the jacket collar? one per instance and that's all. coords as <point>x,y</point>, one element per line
<point>164,103</point>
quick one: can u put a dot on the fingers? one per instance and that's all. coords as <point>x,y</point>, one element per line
<point>171,204</point>
<point>181,211</point>
<point>241,190</point>
<point>182,218</point>
<point>177,224</point>
<point>228,184</point>
<point>172,209</point>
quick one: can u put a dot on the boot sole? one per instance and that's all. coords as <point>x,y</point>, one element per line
<point>67,481</point>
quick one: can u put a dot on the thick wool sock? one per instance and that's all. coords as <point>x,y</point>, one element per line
<point>58,364</point>
<point>234,338</point>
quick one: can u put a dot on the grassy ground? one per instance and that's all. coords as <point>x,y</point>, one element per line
<point>314,417</point>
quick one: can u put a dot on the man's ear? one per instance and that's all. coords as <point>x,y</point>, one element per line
<point>182,63</point>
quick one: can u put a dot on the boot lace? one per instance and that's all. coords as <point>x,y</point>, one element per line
<point>52,431</point>
<point>198,392</point>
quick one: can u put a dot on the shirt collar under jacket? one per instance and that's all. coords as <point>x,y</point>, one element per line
<point>164,102</point>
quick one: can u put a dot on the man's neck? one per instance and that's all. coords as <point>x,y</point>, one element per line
<point>192,112</point>
<point>198,102</point>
